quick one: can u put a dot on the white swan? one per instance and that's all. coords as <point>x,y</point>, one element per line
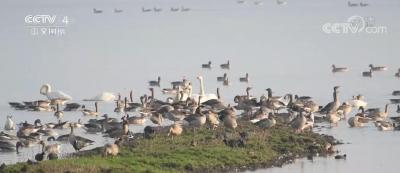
<point>104,96</point>
<point>54,96</point>
<point>10,125</point>
<point>202,94</point>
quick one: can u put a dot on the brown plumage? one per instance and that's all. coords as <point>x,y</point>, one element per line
<point>112,149</point>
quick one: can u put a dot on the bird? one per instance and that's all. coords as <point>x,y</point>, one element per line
<point>226,82</point>
<point>155,83</point>
<point>281,2</point>
<point>204,96</point>
<point>398,109</point>
<point>78,142</point>
<point>222,78</point>
<point>155,9</point>
<point>174,9</point>
<point>345,109</point>
<point>226,65</point>
<point>54,96</point>
<point>358,101</point>
<point>175,130</point>
<point>39,157</point>
<point>156,118</point>
<point>398,73</point>
<point>185,9</point>
<point>380,115</point>
<point>367,73</point>
<point>377,68</point>
<point>117,10</point>
<point>332,106</point>
<point>339,69</point>
<point>244,79</point>
<point>104,96</point>
<point>299,122</point>
<point>53,148</point>
<point>9,125</point>
<point>146,10</point>
<point>341,156</point>
<point>208,65</point>
<point>97,11</point>
<point>88,112</point>
<point>112,149</point>
<point>58,114</point>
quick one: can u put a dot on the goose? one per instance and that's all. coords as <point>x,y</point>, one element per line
<point>146,10</point>
<point>396,93</point>
<point>28,129</point>
<point>341,157</point>
<point>119,108</point>
<point>363,4</point>
<point>185,9</point>
<point>299,123</point>
<point>176,115</point>
<point>155,83</point>
<point>208,65</point>
<point>8,146</point>
<point>196,120</point>
<point>339,69</point>
<point>9,125</point>
<point>215,104</point>
<point>212,119</point>
<point>379,115</point>
<point>117,10</point>
<point>47,132</point>
<point>112,149</point>
<point>155,9</point>
<point>285,117</point>
<point>175,130</point>
<point>358,101</point>
<point>39,157</point>
<point>93,128</point>
<point>377,68</point>
<point>156,118</point>
<point>398,73</point>
<point>71,107</point>
<point>350,4</point>
<point>281,2</point>
<point>172,91</point>
<point>118,132</point>
<point>52,156</point>
<point>367,73</point>
<point>7,137</point>
<point>54,96</point>
<point>17,105</point>
<point>345,109</point>
<point>78,124</point>
<point>204,97</point>
<point>241,1</point>
<point>222,78</point>
<point>226,82</point>
<point>332,106</point>
<point>136,120</point>
<point>88,112</point>
<point>398,109</point>
<point>358,120</point>
<point>61,125</point>
<point>225,66</point>
<point>228,117</point>
<point>395,101</point>
<point>257,2</point>
<point>384,125</point>
<point>97,11</point>
<point>58,114</point>
<point>266,123</point>
<point>174,9</point>
<point>259,115</point>
<point>333,118</point>
<point>53,148</point>
<point>244,79</point>
<point>78,142</point>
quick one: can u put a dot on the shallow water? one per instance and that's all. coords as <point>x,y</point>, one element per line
<point>281,47</point>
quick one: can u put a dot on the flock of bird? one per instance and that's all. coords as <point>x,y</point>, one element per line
<point>187,111</point>
<point>369,73</point>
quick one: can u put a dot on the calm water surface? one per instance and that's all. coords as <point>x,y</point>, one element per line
<point>281,47</point>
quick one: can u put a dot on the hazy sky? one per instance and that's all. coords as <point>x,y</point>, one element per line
<point>280,46</point>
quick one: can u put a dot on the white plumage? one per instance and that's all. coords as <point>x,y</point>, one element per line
<point>10,125</point>
<point>105,96</point>
<point>53,95</point>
